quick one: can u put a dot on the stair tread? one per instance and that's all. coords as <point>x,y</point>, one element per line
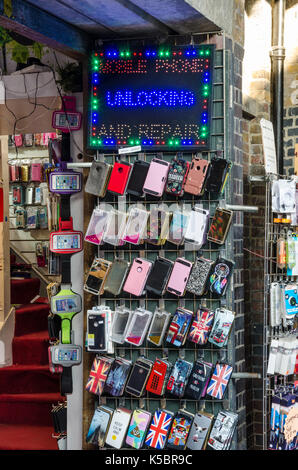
<point>26,437</point>
<point>25,308</point>
<point>37,336</point>
<point>31,397</point>
<point>25,367</point>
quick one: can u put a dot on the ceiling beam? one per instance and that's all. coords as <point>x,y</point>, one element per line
<point>38,25</point>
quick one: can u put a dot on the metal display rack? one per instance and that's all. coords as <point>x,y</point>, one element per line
<point>219,129</point>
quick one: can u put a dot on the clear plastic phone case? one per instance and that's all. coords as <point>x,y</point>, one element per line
<point>138,326</point>
<point>121,321</point>
<point>158,326</point>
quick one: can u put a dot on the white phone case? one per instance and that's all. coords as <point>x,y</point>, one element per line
<point>196,231</point>
<point>136,225</point>
<point>118,427</point>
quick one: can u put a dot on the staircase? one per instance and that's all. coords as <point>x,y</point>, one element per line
<point>27,388</point>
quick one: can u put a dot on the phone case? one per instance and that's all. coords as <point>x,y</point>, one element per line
<point>98,178</point>
<point>97,331</point>
<point>220,275</point>
<point>201,326</point>
<point>196,177</point>
<point>121,320</point>
<point>136,225</point>
<point>179,327</point>
<point>219,380</point>
<point>116,276</point>
<point>198,279</point>
<point>220,225</point>
<point>98,374</point>
<point>158,377</point>
<point>199,431</point>
<point>14,172</point>
<point>137,179</point>
<point>97,226</point>
<point>159,429</point>
<point>119,177</point>
<point>115,228</point>
<point>223,321</point>
<point>179,276</point>
<point>198,379</point>
<point>118,427</point>
<point>29,195</point>
<point>138,326</point>
<point>158,226</point>
<point>179,377</point>
<point>180,430</point>
<point>25,173</point>
<point>137,276</point>
<point>158,326</point>
<point>158,276</point>
<point>99,426</point>
<point>138,427</point>
<point>35,172</point>
<point>117,377</point>
<point>138,378</point>
<point>176,177</point>
<point>178,227</point>
<point>97,275</point>
<point>18,195</point>
<point>197,227</point>
<point>222,431</point>
<point>156,177</point>
<point>218,174</point>
<point>20,218</point>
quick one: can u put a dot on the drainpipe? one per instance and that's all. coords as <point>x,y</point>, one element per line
<point>277,54</point>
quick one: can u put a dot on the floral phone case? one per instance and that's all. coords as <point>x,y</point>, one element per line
<point>177,176</point>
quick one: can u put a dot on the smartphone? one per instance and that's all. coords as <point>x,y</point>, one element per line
<point>121,320</point>
<point>118,427</point>
<point>116,276</point>
<point>197,227</point>
<point>138,378</point>
<point>98,177</point>
<point>136,225</point>
<point>179,327</point>
<point>97,226</point>
<point>156,177</point>
<point>176,177</point>
<point>137,179</point>
<point>115,229</point>
<point>138,326</point>
<point>117,377</point>
<point>137,276</point>
<point>158,326</point>
<point>219,171</point>
<point>97,276</point>
<point>179,276</point>
<point>196,177</point>
<point>138,427</point>
<point>179,377</point>
<point>220,225</point>
<point>180,430</point>
<point>178,227</point>
<point>158,226</point>
<point>119,177</point>
<point>158,276</point>
<point>220,276</point>
<point>198,279</point>
<point>158,377</point>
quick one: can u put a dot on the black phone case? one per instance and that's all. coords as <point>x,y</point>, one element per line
<point>159,275</point>
<point>138,378</point>
<point>220,276</point>
<point>217,174</point>
<point>137,179</point>
<point>198,379</point>
<point>97,327</point>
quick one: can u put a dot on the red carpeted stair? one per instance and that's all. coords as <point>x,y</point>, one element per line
<point>27,388</point>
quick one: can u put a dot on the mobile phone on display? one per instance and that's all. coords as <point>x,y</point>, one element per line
<point>156,177</point>
<point>179,276</point>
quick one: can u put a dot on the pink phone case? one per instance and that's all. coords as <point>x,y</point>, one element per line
<point>179,276</point>
<point>35,172</point>
<point>156,177</point>
<point>137,276</point>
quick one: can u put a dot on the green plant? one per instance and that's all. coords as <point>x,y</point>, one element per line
<point>70,77</point>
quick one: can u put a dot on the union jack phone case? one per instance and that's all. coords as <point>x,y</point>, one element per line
<point>179,377</point>
<point>176,177</point>
<point>159,429</point>
<point>222,325</point>
<point>118,427</point>
<point>158,377</point>
<point>201,326</point>
<point>199,431</point>
<point>98,374</point>
<point>137,380</point>
<point>119,177</point>
<point>117,377</point>
<point>198,279</point>
<point>179,327</point>
<point>219,380</point>
<point>138,427</point>
<point>180,430</point>
<point>198,379</point>
<point>99,426</point>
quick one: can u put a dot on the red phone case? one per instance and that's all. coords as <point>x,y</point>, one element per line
<point>157,377</point>
<point>119,177</point>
